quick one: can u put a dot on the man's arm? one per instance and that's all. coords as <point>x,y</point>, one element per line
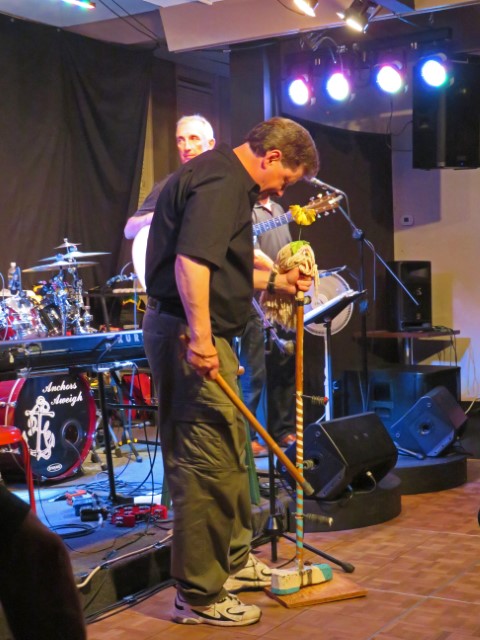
<point>135,223</point>
<point>261,260</point>
<point>289,282</point>
<point>193,283</point>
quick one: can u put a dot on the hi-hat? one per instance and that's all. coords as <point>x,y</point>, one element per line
<point>55,266</point>
<point>74,255</point>
<point>66,244</point>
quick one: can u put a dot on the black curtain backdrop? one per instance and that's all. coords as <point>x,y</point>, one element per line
<point>72,128</point>
<point>360,165</point>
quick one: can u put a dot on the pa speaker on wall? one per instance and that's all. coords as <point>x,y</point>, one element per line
<point>446,122</point>
<point>353,451</point>
<point>431,425</point>
<point>403,313</point>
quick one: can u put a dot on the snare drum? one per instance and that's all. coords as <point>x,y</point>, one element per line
<point>57,417</point>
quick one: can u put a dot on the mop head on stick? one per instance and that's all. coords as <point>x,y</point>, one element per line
<point>280,307</point>
<point>286,581</point>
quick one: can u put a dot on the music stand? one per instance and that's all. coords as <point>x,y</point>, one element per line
<point>324,314</point>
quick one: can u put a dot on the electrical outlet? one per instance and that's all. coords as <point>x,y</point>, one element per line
<point>406,221</point>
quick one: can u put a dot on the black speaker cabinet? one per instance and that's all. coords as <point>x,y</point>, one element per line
<point>393,391</point>
<point>403,314</point>
<point>430,425</point>
<point>355,451</point>
<point>446,122</point>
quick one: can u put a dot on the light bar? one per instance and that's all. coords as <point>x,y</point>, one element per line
<point>85,4</point>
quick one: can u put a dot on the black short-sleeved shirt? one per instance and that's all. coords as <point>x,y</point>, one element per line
<point>205,212</point>
<point>150,201</point>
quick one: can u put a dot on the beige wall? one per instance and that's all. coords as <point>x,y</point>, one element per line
<point>445,205</point>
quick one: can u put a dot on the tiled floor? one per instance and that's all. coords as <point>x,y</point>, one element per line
<point>421,571</point>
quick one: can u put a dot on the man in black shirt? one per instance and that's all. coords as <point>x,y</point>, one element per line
<point>200,281</point>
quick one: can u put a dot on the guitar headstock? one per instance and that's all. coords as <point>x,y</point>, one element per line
<point>306,215</point>
<point>323,203</point>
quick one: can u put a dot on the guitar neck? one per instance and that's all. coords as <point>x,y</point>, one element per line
<point>268,225</point>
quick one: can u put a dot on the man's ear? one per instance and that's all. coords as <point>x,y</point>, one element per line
<point>272,156</point>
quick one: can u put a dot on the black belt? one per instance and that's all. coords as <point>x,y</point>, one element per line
<point>172,307</point>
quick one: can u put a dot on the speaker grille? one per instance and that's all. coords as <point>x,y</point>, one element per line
<point>431,425</point>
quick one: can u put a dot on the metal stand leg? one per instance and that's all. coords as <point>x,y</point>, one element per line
<point>114,497</point>
<point>328,370</point>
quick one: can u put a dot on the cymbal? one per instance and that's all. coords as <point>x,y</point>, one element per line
<point>74,255</point>
<point>55,266</point>
<point>67,244</point>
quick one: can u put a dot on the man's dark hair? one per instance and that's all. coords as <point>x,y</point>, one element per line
<point>289,137</point>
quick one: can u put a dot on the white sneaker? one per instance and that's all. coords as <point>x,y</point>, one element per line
<point>254,575</point>
<point>227,612</point>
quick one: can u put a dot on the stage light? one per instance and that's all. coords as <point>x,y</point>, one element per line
<point>359,14</point>
<point>307,6</point>
<point>300,91</point>
<point>338,86</point>
<point>390,77</point>
<point>85,4</point>
<point>434,70</point>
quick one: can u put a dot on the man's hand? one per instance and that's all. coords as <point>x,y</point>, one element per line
<point>204,360</point>
<point>205,365</point>
<point>299,279</point>
<point>293,281</point>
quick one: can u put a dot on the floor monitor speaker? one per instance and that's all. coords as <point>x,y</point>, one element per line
<point>430,425</point>
<point>355,451</point>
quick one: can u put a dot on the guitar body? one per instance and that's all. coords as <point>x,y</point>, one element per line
<point>139,253</point>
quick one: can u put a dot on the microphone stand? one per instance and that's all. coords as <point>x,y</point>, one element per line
<point>358,234</point>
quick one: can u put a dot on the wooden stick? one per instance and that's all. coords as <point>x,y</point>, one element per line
<point>266,437</point>
<point>299,551</point>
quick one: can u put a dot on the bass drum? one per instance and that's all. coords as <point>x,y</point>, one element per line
<point>57,417</point>
<point>330,286</point>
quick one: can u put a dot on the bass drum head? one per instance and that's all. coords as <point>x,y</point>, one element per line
<point>329,287</point>
<point>57,417</point>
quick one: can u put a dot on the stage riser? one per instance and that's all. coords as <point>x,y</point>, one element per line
<point>431,474</point>
<point>360,510</point>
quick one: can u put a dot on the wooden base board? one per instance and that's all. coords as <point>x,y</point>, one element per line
<point>339,588</point>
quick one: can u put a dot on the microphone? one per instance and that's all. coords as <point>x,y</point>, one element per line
<point>323,185</point>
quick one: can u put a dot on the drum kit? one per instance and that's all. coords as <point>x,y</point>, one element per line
<point>55,307</point>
